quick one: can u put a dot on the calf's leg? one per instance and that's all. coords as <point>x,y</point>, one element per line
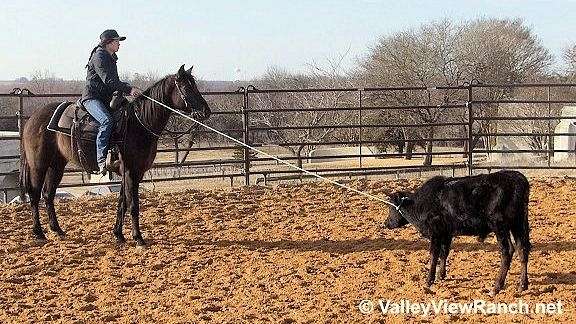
<point>444,250</point>
<point>435,245</point>
<point>506,251</point>
<point>521,237</point>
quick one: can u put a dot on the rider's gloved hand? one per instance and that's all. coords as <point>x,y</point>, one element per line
<point>135,92</point>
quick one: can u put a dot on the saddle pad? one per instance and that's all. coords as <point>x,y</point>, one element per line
<point>55,119</point>
<point>64,115</point>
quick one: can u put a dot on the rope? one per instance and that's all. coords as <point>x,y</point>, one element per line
<point>275,158</point>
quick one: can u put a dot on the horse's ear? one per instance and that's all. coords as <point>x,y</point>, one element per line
<point>181,71</point>
<point>189,71</point>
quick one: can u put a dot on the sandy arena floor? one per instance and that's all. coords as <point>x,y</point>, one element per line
<point>289,254</point>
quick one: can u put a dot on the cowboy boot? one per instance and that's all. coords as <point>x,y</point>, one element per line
<point>112,162</point>
<point>102,169</point>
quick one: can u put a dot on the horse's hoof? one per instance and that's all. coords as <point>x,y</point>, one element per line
<point>441,275</point>
<point>61,234</point>
<point>120,239</point>
<point>39,234</point>
<point>140,242</point>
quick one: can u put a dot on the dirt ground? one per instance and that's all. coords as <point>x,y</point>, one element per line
<point>306,253</point>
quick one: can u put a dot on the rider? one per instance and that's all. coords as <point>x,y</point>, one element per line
<point>101,82</point>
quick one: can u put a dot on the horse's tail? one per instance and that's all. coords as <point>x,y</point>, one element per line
<point>24,178</point>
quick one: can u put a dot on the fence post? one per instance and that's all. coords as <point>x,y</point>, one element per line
<point>550,138</point>
<point>20,123</point>
<point>470,125</point>
<point>245,137</point>
<point>360,122</point>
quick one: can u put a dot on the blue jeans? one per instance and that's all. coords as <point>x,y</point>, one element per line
<point>100,112</point>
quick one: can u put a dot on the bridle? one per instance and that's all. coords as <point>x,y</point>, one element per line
<point>183,97</point>
<point>181,92</point>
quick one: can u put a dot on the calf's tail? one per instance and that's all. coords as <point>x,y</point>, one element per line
<point>522,206</point>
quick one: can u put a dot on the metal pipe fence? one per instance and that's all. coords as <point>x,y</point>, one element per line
<point>455,128</point>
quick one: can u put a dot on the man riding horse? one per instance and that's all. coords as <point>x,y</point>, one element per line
<point>101,82</point>
<point>58,133</point>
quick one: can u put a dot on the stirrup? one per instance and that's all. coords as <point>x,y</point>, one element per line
<point>102,170</point>
<point>112,166</point>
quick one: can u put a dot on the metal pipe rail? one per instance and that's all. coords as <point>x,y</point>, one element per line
<point>462,128</point>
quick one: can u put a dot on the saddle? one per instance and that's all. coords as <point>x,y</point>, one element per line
<point>73,120</point>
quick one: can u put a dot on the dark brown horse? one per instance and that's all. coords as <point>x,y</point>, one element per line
<point>46,153</point>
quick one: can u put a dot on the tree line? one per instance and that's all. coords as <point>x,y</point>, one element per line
<point>486,50</point>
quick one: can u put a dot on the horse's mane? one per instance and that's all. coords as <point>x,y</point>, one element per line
<point>144,109</point>
<point>155,91</point>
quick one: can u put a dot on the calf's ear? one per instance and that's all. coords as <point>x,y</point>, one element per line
<point>401,198</point>
<point>394,197</point>
<point>406,201</point>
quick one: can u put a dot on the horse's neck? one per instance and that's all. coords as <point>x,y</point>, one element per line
<point>153,116</point>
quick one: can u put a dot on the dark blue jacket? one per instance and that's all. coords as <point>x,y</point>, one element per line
<point>102,77</point>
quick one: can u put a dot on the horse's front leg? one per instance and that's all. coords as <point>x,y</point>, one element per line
<point>120,212</point>
<point>131,191</point>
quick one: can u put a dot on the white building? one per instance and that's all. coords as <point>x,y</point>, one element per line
<point>565,142</point>
<point>9,146</point>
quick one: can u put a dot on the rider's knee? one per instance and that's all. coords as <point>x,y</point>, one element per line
<point>106,122</point>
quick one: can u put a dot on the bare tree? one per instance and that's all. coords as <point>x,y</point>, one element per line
<point>285,105</point>
<point>570,57</point>
<point>445,53</point>
<point>423,57</point>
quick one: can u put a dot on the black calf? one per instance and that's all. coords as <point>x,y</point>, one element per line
<point>476,206</point>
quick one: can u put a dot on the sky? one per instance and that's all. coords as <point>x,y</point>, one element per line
<point>238,40</point>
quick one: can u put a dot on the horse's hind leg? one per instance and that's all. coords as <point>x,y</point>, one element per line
<point>34,191</point>
<point>51,182</point>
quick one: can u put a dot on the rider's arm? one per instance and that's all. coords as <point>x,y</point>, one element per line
<point>107,71</point>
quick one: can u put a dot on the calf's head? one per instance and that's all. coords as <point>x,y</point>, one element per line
<point>403,200</point>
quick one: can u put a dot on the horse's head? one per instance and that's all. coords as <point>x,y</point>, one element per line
<point>186,96</point>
